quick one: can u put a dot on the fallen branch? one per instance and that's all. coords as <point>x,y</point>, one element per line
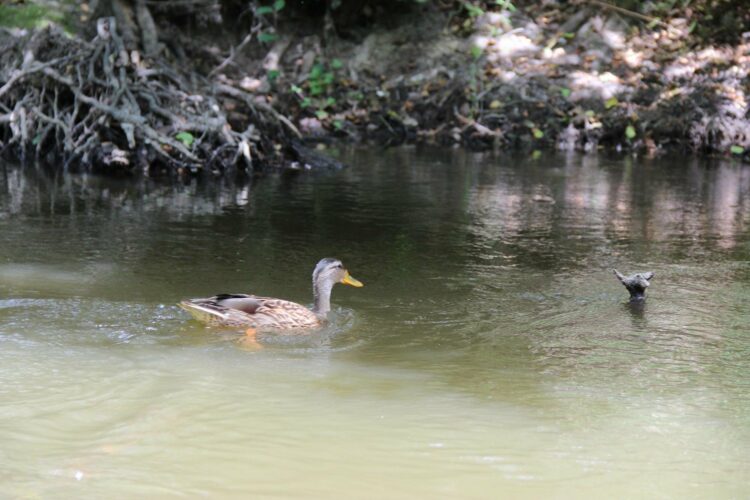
<point>636,15</point>
<point>234,51</point>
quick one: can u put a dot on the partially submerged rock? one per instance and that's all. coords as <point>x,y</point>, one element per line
<point>309,159</point>
<point>635,283</point>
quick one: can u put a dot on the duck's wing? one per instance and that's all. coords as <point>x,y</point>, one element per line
<point>215,312</point>
<point>240,310</point>
<point>246,303</point>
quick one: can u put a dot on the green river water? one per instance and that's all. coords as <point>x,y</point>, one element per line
<point>490,354</point>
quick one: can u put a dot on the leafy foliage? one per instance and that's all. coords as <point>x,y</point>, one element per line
<point>630,132</point>
<point>186,138</point>
<point>32,16</point>
<point>316,92</point>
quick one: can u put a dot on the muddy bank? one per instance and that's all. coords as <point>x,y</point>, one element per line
<point>136,95</point>
<point>572,80</point>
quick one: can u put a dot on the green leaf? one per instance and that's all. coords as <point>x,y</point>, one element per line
<point>328,78</point>
<point>261,11</point>
<point>316,71</point>
<point>538,134</point>
<point>611,102</point>
<point>37,139</point>
<point>322,115</point>
<point>296,89</point>
<point>337,64</point>
<point>737,150</point>
<point>473,10</point>
<point>316,88</point>
<point>272,74</point>
<point>338,124</point>
<point>329,102</point>
<point>476,52</point>
<point>536,154</point>
<point>630,132</point>
<point>186,138</point>
<point>306,102</point>
<point>267,37</point>
<point>278,5</point>
<point>506,4</point>
<point>565,92</point>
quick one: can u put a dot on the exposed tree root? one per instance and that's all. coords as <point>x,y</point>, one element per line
<point>135,97</point>
<point>99,104</point>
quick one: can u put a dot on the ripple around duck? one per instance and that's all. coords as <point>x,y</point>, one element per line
<point>98,323</point>
<point>84,322</point>
<point>337,335</point>
<point>676,332</point>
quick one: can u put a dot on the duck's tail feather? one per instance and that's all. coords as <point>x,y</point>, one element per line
<point>203,313</point>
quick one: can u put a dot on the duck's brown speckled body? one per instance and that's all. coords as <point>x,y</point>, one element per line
<point>267,313</point>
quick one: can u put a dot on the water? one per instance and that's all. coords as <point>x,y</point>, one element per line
<point>491,353</point>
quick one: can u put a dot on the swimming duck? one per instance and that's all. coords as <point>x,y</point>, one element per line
<point>265,313</point>
<point>636,283</point>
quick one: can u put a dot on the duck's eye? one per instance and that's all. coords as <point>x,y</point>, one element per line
<point>340,266</point>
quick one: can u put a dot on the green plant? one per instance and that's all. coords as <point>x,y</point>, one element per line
<point>268,32</point>
<point>186,138</point>
<point>473,10</point>
<point>315,93</point>
<point>265,10</point>
<point>320,79</point>
<point>34,16</point>
<point>630,132</point>
<point>611,103</point>
<point>506,5</point>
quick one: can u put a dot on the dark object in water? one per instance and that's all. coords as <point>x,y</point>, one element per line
<point>309,159</point>
<point>635,283</point>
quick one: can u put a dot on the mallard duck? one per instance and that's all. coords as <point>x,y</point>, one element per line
<point>265,313</point>
<point>636,283</point>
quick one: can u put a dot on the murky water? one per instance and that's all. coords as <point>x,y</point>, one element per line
<point>491,354</point>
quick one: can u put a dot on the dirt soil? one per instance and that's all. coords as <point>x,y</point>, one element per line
<point>584,81</point>
<point>581,79</point>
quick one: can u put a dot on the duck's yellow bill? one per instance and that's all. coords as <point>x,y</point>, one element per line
<point>348,280</point>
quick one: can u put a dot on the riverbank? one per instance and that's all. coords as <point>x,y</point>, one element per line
<point>143,95</point>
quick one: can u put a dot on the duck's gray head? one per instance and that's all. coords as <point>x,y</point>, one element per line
<point>635,283</point>
<point>330,271</point>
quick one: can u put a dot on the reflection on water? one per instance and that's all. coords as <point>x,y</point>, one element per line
<point>491,352</point>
